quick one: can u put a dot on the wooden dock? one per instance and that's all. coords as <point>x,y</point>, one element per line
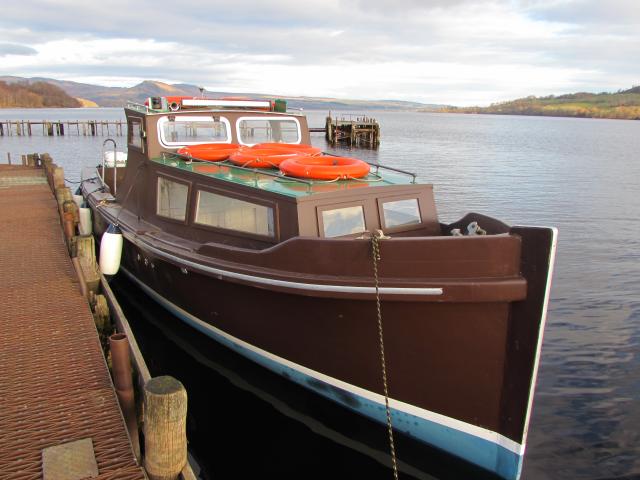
<point>59,415</point>
<point>48,128</point>
<point>355,130</point>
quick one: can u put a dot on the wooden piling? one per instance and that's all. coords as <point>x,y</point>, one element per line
<point>58,177</point>
<point>69,229</point>
<point>101,315</point>
<point>72,208</point>
<point>165,418</point>
<point>86,253</point>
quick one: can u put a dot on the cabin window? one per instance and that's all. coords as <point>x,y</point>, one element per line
<point>193,129</point>
<point>172,199</point>
<point>401,212</point>
<point>225,212</point>
<point>343,221</point>
<point>135,133</point>
<point>268,130</point>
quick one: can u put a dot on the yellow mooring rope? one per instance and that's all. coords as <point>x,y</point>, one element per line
<point>375,245</point>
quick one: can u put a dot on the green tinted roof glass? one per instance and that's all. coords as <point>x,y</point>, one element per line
<point>271,181</point>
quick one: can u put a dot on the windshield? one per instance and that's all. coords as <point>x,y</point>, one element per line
<point>268,130</point>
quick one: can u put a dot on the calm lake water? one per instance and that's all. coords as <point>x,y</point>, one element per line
<point>580,175</point>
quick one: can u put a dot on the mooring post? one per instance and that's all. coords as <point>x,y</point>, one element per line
<point>58,178</point>
<point>9,157</point>
<point>165,428</point>
<point>86,252</point>
<point>69,230</point>
<point>122,380</point>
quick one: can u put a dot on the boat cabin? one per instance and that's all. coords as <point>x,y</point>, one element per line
<point>222,202</point>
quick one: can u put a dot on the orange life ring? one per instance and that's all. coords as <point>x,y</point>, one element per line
<point>297,147</point>
<point>252,157</point>
<point>211,152</point>
<point>324,167</point>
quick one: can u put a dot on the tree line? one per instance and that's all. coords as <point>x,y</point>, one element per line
<point>624,104</point>
<point>34,95</point>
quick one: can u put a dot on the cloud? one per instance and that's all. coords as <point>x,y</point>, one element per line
<point>13,49</point>
<point>440,51</point>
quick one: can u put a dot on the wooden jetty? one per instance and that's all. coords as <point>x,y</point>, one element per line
<point>50,128</point>
<point>60,415</point>
<point>356,130</point>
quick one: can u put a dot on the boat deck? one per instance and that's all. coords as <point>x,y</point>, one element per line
<point>55,387</point>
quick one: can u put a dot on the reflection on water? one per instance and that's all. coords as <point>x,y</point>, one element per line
<point>580,175</point>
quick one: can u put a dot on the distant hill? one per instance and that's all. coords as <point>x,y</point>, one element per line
<point>624,104</point>
<point>118,96</point>
<point>34,95</point>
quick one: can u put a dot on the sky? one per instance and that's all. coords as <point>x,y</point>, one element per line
<point>455,52</point>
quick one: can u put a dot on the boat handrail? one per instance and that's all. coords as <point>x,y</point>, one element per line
<point>261,171</point>
<point>137,106</point>
<point>115,163</point>
<point>379,166</point>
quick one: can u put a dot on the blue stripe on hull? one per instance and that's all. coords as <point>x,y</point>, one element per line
<point>484,453</point>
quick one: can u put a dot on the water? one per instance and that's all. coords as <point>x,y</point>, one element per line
<point>580,175</point>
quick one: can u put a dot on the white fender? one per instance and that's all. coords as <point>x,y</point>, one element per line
<point>111,250</point>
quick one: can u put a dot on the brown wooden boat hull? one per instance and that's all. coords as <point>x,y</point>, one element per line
<point>464,366</point>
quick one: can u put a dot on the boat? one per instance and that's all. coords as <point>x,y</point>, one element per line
<point>349,286</point>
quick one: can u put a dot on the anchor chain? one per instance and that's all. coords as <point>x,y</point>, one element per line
<point>375,246</point>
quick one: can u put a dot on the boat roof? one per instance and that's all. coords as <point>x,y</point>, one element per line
<point>272,180</point>
<point>140,108</point>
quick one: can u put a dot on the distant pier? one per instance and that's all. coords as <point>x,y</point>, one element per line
<point>354,130</point>
<point>86,128</point>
